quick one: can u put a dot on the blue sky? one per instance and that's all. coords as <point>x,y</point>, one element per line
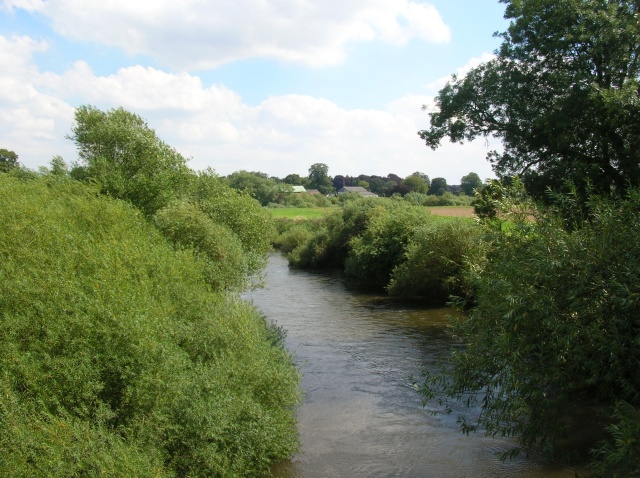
<point>259,85</point>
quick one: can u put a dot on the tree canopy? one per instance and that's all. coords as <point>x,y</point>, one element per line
<point>470,183</point>
<point>126,157</point>
<point>319,178</point>
<point>256,184</point>
<point>438,186</point>
<point>8,160</point>
<point>562,94</point>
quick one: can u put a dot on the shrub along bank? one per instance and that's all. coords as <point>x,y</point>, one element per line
<point>122,355</point>
<point>556,326</point>
<point>387,244</point>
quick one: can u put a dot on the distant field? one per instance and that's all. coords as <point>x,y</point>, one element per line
<point>301,212</point>
<point>313,212</point>
<point>453,211</point>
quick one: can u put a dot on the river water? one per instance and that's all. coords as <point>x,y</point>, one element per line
<point>360,416</point>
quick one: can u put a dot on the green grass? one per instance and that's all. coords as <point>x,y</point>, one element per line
<point>301,212</point>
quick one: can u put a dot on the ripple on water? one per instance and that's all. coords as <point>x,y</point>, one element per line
<point>360,416</point>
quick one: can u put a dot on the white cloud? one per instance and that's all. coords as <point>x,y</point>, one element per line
<point>460,72</point>
<point>211,124</point>
<point>199,34</point>
<point>31,121</point>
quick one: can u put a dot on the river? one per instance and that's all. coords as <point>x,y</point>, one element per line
<point>360,416</point>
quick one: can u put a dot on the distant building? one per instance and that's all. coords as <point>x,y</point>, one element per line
<point>356,189</point>
<point>313,191</point>
<point>299,189</point>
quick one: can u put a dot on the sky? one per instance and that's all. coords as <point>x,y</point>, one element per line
<point>257,85</point>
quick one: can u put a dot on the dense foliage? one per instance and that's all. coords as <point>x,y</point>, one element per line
<point>8,160</point>
<point>562,94</point>
<point>117,358</point>
<point>556,325</point>
<point>120,153</point>
<point>127,159</point>
<point>387,243</point>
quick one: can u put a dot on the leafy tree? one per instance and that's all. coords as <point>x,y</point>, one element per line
<point>217,247</point>
<point>438,187</point>
<point>257,185</point>
<point>423,176</point>
<point>339,182</point>
<point>382,245</point>
<point>8,160</point>
<point>125,156</point>
<point>294,180</point>
<point>59,167</point>
<point>436,259</point>
<point>416,183</point>
<point>470,183</point>
<point>319,178</point>
<point>562,94</point>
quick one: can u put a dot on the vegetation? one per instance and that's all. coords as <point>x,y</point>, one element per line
<point>382,243</point>
<point>554,325</point>
<point>126,350</point>
<point>117,356</point>
<point>301,213</point>
<point>8,160</point>
<point>128,160</point>
<point>562,94</point>
<point>553,322</point>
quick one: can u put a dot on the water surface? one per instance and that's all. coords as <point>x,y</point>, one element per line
<point>361,416</point>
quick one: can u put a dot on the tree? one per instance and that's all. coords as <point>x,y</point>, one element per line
<point>319,178</point>
<point>562,95</point>
<point>8,160</point>
<point>423,176</point>
<point>416,183</point>
<point>470,183</point>
<point>257,185</point>
<point>294,180</point>
<point>438,187</point>
<point>126,157</point>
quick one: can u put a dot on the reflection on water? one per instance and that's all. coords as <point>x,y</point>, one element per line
<point>360,416</point>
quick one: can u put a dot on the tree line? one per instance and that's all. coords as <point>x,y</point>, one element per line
<point>273,190</point>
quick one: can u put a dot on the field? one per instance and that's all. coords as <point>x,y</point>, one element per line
<point>301,212</point>
<point>453,211</point>
<point>313,212</point>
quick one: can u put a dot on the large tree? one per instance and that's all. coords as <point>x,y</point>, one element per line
<point>256,184</point>
<point>8,160</point>
<point>417,182</point>
<point>470,183</point>
<point>319,178</point>
<point>562,94</point>
<point>125,156</point>
<point>438,186</point>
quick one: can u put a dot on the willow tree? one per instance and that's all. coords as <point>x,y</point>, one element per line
<point>562,94</point>
<point>119,150</point>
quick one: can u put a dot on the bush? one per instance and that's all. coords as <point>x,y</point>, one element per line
<point>117,359</point>
<point>244,216</point>
<point>436,260</point>
<point>294,237</point>
<point>556,321</point>
<point>381,246</point>
<point>219,250</point>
